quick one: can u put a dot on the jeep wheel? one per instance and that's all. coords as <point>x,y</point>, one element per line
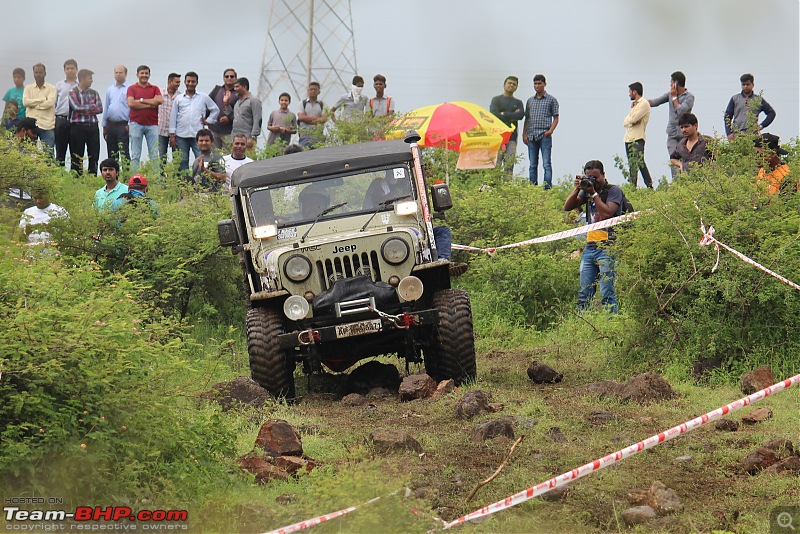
<point>270,366</point>
<point>452,354</point>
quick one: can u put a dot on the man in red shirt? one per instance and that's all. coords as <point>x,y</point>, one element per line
<point>143,99</point>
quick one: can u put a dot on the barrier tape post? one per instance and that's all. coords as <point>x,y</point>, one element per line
<point>615,457</point>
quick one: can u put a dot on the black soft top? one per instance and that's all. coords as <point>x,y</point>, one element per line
<point>319,162</point>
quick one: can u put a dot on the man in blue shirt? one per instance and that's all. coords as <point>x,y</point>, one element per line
<point>117,115</point>
<point>744,108</point>
<point>541,119</point>
<point>190,112</point>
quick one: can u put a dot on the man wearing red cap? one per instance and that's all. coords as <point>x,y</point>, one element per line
<point>137,190</point>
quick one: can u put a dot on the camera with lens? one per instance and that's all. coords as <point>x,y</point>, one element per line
<point>587,181</point>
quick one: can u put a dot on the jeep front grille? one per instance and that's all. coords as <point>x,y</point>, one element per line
<point>339,267</point>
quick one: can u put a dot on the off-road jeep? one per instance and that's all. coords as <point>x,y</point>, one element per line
<point>339,261</point>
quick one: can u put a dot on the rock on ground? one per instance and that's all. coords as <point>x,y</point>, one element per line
<point>354,399</point>
<point>475,402</point>
<point>756,380</point>
<point>756,416</point>
<point>540,373</point>
<point>645,388</point>
<point>727,425</point>
<point>241,392</point>
<point>261,468</point>
<point>445,387</point>
<point>491,429</point>
<point>279,438</point>
<point>759,460</point>
<point>663,500</point>
<point>638,515</point>
<point>389,440</point>
<point>420,386</point>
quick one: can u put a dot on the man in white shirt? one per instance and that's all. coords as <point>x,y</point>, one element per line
<point>35,219</point>
<point>236,159</point>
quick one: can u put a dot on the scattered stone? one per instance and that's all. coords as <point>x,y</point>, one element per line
<point>683,459</point>
<point>605,388</point>
<point>790,464</point>
<point>525,422</point>
<point>475,402</point>
<point>556,435</point>
<point>543,374</point>
<point>379,393</point>
<point>354,399</point>
<point>414,387</point>
<point>388,440</point>
<point>261,469</point>
<point>369,409</point>
<point>286,498</point>
<point>662,499</point>
<point>638,496</point>
<point>647,420</point>
<point>759,460</point>
<point>756,380</point>
<point>556,494</point>
<point>373,374</point>
<point>645,388</point>
<point>241,392</point>
<point>292,464</point>
<point>493,429</point>
<point>445,387</point>
<point>727,425</point>
<point>782,446</point>
<point>638,515</point>
<point>495,407</point>
<point>279,438</point>
<point>756,416</point>
<point>599,417</point>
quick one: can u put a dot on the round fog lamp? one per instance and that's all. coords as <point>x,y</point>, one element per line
<point>410,288</point>
<point>296,307</point>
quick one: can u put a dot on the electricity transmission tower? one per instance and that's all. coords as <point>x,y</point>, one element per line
<point>308,40</point>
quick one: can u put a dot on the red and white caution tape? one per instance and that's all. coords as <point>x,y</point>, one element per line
<point>708,238</point>
<point>308,523</point>
<point>615,457</point>
<point>558,235</point>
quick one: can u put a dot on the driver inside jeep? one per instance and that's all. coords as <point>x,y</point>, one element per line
<point>313,201</point>
<point>384,188</point>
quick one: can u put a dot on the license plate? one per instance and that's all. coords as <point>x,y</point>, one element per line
<point>358,329</point>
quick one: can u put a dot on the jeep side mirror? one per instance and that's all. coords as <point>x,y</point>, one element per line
<point>227,233</point>
<point>440,195</point>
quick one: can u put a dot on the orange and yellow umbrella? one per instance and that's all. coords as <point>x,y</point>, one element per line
<point>458,126</point>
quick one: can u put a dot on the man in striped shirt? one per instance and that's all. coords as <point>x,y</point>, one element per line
<point>85,104</point>
<point>169,95</point>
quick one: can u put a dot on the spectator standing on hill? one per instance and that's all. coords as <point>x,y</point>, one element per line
<point>15,93</point>
<point>39,99</point>
<point>744,108</point>
<point>680,101</point>
<point>311,118</point>
<point>143,101</point>
<point>224,96</point>
<point>635,126</point>
<point>381,105</point>
<point>777,179</point>
<point>168,98</point>
<point>509,110</point>
<point>236,158</point>
<point>117,116</point>
<point>282,123</point>
<point>109,169</point>
<point>353,104</point>
<point>541,119</point>
<point>603,201</point>
<point>246,113</point>
<point>693,150</point>
<point>85,104</point>
<point>63,89</point>
<point>208,169</point>
<point>190,112</point>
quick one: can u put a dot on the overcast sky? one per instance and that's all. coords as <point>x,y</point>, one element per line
<point>442,50</point>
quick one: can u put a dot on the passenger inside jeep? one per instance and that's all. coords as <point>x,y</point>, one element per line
<point>313,201</point>
<point>386,187</point>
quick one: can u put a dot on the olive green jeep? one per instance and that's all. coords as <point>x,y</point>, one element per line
<point>340,264</point>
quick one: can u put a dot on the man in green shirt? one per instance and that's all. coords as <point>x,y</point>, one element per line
<point>104,196</point>
<point>15,93</point>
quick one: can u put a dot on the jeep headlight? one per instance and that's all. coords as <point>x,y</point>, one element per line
<point>296,307</point>
<point>394,251</point>
<point>266,231</point>
<point>297,268</point>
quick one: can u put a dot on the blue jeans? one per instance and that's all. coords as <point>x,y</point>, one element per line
<point>545,145</point>
<point>184,144</point>
<point>597,265</point>
<point>48,137</point>
<point>444,241</point>
<point>138,132</point>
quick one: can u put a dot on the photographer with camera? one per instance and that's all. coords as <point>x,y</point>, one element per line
<point>603,201</point>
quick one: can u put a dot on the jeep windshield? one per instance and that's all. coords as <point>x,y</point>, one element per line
<point>302,202</point>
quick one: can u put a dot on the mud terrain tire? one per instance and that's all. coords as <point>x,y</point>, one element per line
<point>270,366</point>
<point>453,349</point>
